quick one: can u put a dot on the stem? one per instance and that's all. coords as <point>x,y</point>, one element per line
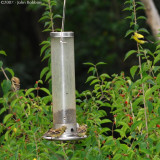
<point>141,76</point>
<point>36,145</point>
<point>99,84</point>
<point>132,110</point>
<point>113,130</point>
<point>4,73</point>
<point>144,101</point>
<point>66,157</point>
<point>51,18</point>
<point>140,67</point>
<point>135,16</point>
<point>97,139</point>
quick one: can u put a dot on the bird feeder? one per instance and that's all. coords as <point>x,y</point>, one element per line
<point>63,85</point>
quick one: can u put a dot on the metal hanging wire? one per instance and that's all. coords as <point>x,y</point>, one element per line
<point>63,21</point>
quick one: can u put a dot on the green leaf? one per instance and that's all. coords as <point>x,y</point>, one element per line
<point>29,91</point>
<point>117,156</point>
<point>149,92</point>
<point>59,152</point>
<point>158,79</point>
<point>150,106</point>
<point>124,147</point>
<point>90,78</point>
<point>10,71</point>
<point>6,135</point>
<point>143,30</point>
<point>158,147</point>
<point>100,102</point>
<point>136,26</point>
<point>104,130</point>
<point>129,54</point>
<point>40,81</point>
<point>128,17</point>
<point>95,81</point>
<point>43,72</point>
<point>49,74</point>
<point>3,52</point>
<point>45,90</point>
<point>102,113</point>
<point>156,68</point>
<point>140,3</point>
<point>45,42</point>
<point>121,132</point>
<point>133,71</point>
<point>123,124</point>
<point>140,8</point>
<point>159,111</point>
<point>8,116</point>
<point>146,151</point>
<point>104,75</point>
<point>47,55</point>
<point>1,64</point>
<point>47,30</point>
<point>57,16</point>
<point>146,78</point>
<point>142,17</point>
<point>128,8</point>
<point>157,42</point>
<point>156,59</point>
<point>88,63</point>
<point>135,125</point>
<point>6,86</point>
<point>91,69</point>
<point>126,2</point>
<point>158,47</point>
<point>129,32</point>
<point>2,110</point>
<point>106,121</point>
<point>44,18</point>
<point>44,48</point>
<point>100,63</point>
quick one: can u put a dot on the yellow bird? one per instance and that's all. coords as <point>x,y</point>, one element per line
<point>139,38</point>
<point>15,84</point>
<point>55,132</point>
<point>81,131</point>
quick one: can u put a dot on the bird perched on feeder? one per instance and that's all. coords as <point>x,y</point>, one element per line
<point>81,130</point>
<point>139,38</point>
<point>15,83</point>
<point>55,132</point>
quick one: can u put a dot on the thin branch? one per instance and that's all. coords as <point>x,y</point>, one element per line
<point>66,157</point>
<point>36,146</point>
<point>51,14</point>
<point>4,73</point>
<point>144,101</point>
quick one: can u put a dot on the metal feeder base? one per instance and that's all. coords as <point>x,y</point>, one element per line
<point>69,135</point>
<point>65,138</point>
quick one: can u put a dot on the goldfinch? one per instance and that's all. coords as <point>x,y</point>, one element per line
<point>139,38</point>
<point>81,131</point>
<point>55,132</point>
<point>15,84</point>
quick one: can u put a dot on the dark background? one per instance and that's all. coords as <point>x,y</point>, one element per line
<point>99,28</point>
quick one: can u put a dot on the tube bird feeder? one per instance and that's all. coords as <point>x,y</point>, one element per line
<point>63,85</point>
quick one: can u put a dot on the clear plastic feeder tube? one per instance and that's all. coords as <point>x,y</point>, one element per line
<point>63,80</point>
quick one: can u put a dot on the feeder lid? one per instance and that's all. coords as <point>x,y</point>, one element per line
<point>62,34</point>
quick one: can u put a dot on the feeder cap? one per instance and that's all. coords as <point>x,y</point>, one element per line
<point>62,34</point>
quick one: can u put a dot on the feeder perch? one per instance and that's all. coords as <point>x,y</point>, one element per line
<point>63,85</point>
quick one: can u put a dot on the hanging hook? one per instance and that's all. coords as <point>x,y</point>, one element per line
<point>63,21</point>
